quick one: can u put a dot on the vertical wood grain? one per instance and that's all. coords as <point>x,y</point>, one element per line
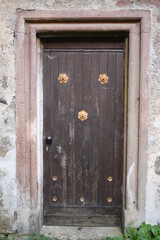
<point>84,153</point>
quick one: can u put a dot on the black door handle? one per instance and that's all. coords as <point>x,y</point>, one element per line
<point>48,140</point>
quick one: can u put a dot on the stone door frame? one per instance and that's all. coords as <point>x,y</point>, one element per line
<point>29,104</point>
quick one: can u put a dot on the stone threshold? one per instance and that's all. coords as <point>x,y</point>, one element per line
<point>81,233</point>
<point>74,233</point>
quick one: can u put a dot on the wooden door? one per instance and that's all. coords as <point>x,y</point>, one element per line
<point>83,159</point>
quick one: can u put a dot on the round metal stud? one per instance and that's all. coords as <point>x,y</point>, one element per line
<point>109,199</point>
<point>63,78</point>
<point>103,78</point>
<point>82,115</point>
<point>54,199</point>
<point>110,179</point>
<point>54,178</point>
<point>82,199</point>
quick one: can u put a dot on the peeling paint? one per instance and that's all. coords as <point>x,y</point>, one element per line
<point>71,131</point>
<point>59,149</point>
<point>50,57</point>
<point>64,160</point>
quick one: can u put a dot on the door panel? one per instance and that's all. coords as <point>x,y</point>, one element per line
<point>83,164</point>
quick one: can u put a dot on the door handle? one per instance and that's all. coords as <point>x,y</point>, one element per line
<point>48,140</point>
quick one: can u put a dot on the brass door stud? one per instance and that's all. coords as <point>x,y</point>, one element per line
<point>54,199</point>
<point>109,199</point>
<point>63,78</point>
<point>54,178</point>
<point>110,178</point>
<point>103,78</point>
<point>82,115</point>
<point>82,199</point>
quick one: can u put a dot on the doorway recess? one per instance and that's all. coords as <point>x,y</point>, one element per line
<point>29,101</point>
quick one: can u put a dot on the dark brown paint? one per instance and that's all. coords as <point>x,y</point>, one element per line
<point>83,154</point>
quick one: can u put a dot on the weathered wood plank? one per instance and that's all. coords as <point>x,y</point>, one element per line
<point>86,128</point>
<point>119,121</point>
<point>78,126</point>
<point>56,186</point>
<point>94,112</point>
<point>47,127</point>
<point>82,210</point>
<point>93,43</point>
<point>71,57</point>
<point>111,110</point>
<point>102,131</point>
<point>85,221</point>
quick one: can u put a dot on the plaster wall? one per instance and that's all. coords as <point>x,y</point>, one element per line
<point>8,187</point>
